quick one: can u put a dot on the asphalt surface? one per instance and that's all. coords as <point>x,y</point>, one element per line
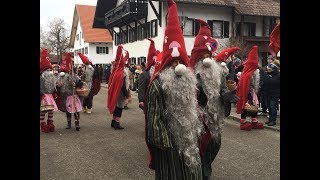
<point>99,152</point>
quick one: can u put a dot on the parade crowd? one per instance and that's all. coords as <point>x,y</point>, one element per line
<point>184,99</point>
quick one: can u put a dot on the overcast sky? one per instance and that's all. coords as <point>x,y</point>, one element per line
<point>50,9</point>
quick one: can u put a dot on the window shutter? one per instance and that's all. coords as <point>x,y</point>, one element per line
<point>226,29</point>
<point>97,50</point>
<point>253,29</point>
<point>196,28</point>
<point>107,50</point>
<point>210,22</point>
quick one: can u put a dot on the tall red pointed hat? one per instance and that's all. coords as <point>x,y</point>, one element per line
<point>223,55</point>
<point>203,43</point>
<point>85,59</point>
<point>173,45</point>
<point>152,55</point>
<point>44,60</point>
<point>274,46</point>
<point>65,65</point>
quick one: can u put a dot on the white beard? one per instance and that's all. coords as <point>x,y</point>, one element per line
<point>126,71</point>
<point>48,82</point>
<point>151,71</point>
<point>255,80</point>
<point>211,84</point>
<point>181,113</point>
<point>89,75</point>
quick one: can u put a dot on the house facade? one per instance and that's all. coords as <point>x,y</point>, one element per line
<point>96,44</point>
<point>238,22</point>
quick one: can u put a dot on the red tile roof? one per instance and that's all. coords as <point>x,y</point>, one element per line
<point>86,15</point>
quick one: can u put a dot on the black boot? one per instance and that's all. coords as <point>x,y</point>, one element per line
<point>113,122</point>
<point>77,125</point>
<point>117,126</point>
<point>68,125</point>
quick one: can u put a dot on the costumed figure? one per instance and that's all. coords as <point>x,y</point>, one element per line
<point>145,76</point>
<point>90,77</point>
<point>118,87</point>
<point>247,91</point>
<point>69,100</point>
<point>212,95</point>
<point>172,124</point>
<point>47,89</point>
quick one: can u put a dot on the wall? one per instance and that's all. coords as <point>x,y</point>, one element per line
<point>205,12</point>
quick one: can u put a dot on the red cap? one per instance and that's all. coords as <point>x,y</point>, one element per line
<point>65,65</point>
<point>44,60</point>
<point>223,55</point>
<point>203,43</point>
<point>85,59</point>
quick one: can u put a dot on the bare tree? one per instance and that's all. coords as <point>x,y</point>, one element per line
<point>43,36</point>
<point>239,42</point>
<point>57,38</point>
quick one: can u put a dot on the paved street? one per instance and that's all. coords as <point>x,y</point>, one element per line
<point>99,152</point>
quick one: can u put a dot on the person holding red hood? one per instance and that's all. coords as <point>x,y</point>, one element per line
<point>247,91</point>
<point>145,76</point>
<point>172,125</point>
<point>117,89</point>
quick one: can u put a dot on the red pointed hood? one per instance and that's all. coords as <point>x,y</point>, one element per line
<point>203,43</point>
<point>65,65</point>
<point>223,55</point>
<point>115,80</point>
<point>152,55</point>
<point>85,59</point>
<point>245,80</point>
<point>274,46</point>
<point>44,60</point>
<point>173,45</point>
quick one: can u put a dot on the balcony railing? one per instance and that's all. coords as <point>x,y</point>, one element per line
<point>127,12</point>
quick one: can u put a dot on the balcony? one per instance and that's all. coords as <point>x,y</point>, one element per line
<point>128,11</point>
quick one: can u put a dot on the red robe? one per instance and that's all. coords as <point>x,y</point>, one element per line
<point>115,80</point>
<point>244,86</point>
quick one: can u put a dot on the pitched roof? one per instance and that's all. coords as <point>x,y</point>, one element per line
<point>245,7</point>
<point>85,14</point>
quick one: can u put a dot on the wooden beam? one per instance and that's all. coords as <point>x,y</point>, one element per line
<point>158,14</point>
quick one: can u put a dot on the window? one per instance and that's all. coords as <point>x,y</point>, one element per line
<point>154,28</point>
<point>188,27</point>
<point>82,50</point>
<point>132,35</point>
<point>102,50</point>
<point>86,50</point>
<point>77,37</point>
<point>141,59</point>
<point>220,29</point>
<point>133,60</point>
<point>249,29</point>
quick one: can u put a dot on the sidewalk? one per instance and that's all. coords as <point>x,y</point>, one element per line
<point>236,117</point>
<point>233,115</point>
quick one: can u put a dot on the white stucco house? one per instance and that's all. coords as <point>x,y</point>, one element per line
<point>133,21</point>
<point>97,44</point>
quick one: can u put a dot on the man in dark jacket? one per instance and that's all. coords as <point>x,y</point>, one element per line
<point>271,88</point>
